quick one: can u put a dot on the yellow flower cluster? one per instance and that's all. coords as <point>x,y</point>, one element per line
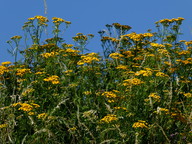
<point>65,45</point>
<point>188,43</point>
<point>184,52</point>
<point>168,45</point>
<point>170,20</point>
<point>57,20</point>
<point>118,108</point>
<point>73,85</point>
<point>140,124</point>
<point>119,26</point>
<point>161,74</point>
<point>167,63</point>
<point>109,118</point>
<point>68,72</point>
<point>53,79</point>
<point>89,58</point>
<point>150,55</point>
<point>128,54</point>
<point>47,55</point>
<point>109,38</point>
<point>21,72</point>
<point>3,69</point>
<point>3,125</point>
<point>159,109</point>
<point>6,63</point>
<point>26,107</point>
<point>146,72</point>
<point>110,94</point>
<point>134,81</point>
<point>16,37</point>
<point>156,45</point>
<point>116,55</point>
<point>72,129</point>
<point>42,116</point>
<point>155,96</point>
<point>138,37</point>
<point>188,95</point>
<point>40,18</point>
<point>39,73</point>
<point>87,92</point>
<point>122,67</point>
<point>163,51</point>
<point>138,58</point>
<point>80,36</point>
<point>69,50</point>
<point>187,61</point>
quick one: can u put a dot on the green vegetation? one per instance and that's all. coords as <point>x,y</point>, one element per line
<point>138,92</point>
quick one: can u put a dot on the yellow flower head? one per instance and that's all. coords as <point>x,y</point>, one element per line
<point>116,55</point>
<point>53,79</point>
<point>140,124</point>
<point>6,63</point>
<point>109,118</point>
<point>134,81</point>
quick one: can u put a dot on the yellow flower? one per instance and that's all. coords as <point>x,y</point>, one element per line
<point>47,55</point>
<point>89,58</point>
<point>16,37</point>
<point>163,51</point>
<point>123,67</point>
<point>116,55</point>
<point>57,20</point>
<point>188,43</point>
<point>137,37</point>
<point>109,94</point>
<point>6,63</point>
<point>109,118</point>
<point>188,95</point>
<point>155,96</point>
<point>128,54</point>
<point>25,107</point>
<point>87,92</point>
<point>31,113</point>
<point>133,81</point>
<point>147,72</point>
<point>39,73</point>
<point>53,79</point>
<point>69,50</point>
<point>161,74</point>
<point>3,125</point>
<point>72,129</point>
<point>140,124</point>
<point>110,101</point>
<point>117,108</point>
<point>150,55</point>
<point>15,104</point>
<point>3,70</point>
<point>35,105</point>
<point>21,72</point>
<point>41,19</point>
<point>159,109</point>
<point>42,116</point>
<point>157,45</point>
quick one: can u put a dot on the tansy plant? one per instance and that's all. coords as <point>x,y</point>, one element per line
<point>139,91</point>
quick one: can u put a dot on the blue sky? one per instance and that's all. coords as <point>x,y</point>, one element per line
<point>90,16</point>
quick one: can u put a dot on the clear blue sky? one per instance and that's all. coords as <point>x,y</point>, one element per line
<point>90,16</point>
